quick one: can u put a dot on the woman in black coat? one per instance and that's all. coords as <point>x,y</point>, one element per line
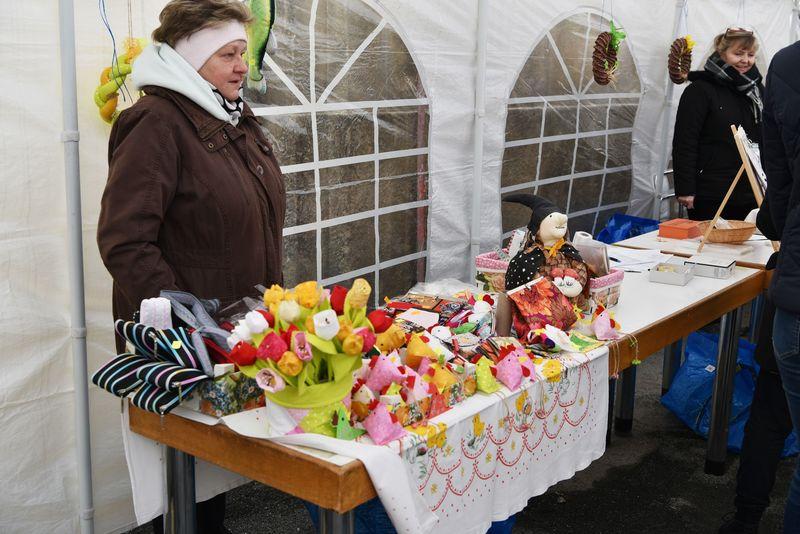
<point>704,156</point>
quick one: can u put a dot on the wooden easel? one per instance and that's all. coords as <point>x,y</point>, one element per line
<point>746,168</point>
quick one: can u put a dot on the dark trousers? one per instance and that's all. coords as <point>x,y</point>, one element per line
<point>764,436</point>
<point>210,517</point>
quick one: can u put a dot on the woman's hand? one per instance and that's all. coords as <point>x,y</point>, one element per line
<point>687,201</point>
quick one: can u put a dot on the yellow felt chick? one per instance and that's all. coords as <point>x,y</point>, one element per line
<point>391,339</point>
<point>359,293</point>
<point>442,378</point>
<point>417,350</point>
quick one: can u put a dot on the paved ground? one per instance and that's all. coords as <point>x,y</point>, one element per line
<point>652,481</point>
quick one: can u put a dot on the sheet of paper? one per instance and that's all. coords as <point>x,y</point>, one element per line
<point>633,260</point>
<point>423,318</point>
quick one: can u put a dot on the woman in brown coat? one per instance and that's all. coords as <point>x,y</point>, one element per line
<point>195,199</point>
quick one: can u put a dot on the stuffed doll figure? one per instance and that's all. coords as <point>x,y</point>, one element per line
<point>547,252</point>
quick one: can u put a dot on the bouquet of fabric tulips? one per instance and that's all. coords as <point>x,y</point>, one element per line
<point>304,347</point>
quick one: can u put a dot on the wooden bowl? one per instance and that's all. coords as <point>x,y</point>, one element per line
<point>739,232</point>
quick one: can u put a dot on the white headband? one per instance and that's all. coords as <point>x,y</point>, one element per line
<point>197,47</point>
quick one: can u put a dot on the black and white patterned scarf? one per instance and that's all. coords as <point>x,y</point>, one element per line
<point>234,108</point>
<point>746,83</point>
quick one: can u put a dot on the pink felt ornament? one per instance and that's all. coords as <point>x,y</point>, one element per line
<point>383,373</point>
<point>509,372</point>
<point>415,389</point>
<point>603,327</point>
<point>381,426</point>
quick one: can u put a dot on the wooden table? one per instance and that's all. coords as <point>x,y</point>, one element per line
<point>336,489</point>
<point>339,489</point>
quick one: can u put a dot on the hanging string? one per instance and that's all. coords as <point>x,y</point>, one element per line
<point>683,26</point>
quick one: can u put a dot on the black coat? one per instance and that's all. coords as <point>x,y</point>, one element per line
<point>780,156</point>
<point>704,154</point>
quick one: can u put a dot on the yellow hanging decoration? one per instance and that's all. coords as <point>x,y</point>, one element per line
<point>112,78</point>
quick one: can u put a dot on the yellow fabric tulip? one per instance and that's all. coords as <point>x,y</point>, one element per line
<point>353,345</point>
<point>290,364</point>
<point>307,294</point>
<point>273,296</point>
<point>359,293</point>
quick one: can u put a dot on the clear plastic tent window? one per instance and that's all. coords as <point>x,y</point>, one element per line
<point>348,115</point>
<point>567,138</point>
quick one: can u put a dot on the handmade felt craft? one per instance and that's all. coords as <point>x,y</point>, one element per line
<point>345,430</point>
<point>269,381</point>
<point>338,294</point>
<point>301,347</point>
<point>391,339</point>
<point>483,373</point>
<point>380,320</point>
<point>383,373</point>
<point>326,324</point>
<point>509,371</point>
<point>417,349</point>
<point>272,347</point>
<point>382,426</point>
<point>290,364</point>
<point>256,322</point>
<point>415,388</point>
<point>259,32</point>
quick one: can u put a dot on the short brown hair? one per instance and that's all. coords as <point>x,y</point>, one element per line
<point>735,38</point>
<point>180,18</point>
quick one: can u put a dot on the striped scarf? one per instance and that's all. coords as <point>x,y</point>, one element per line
<point>746,83</point>
<point>234,108</point>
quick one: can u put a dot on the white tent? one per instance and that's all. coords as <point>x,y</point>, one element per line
<point>389,156</point>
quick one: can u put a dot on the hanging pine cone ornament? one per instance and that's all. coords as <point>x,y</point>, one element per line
<point>604,56</point>
<point>679,61</point>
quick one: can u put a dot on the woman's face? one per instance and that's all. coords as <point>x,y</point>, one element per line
<point>226,69</point>
<point>741,59</point>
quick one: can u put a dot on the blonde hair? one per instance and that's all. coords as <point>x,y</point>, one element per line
<point>180,18</point>
<point>735,39</point>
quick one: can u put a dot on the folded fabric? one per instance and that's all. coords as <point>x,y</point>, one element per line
<point>161,401</point>
<point>118,376</point>
<point>168,375</point>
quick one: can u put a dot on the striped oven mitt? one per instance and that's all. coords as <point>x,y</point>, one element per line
<point>163,369</point>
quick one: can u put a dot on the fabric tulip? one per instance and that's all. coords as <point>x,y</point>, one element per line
<point>272,347</point>
<point>326,324</point>
<point>256,322</point>
<point>289,311</point>
<point>307,294</point>
<point>338,294</point>
<point>380,320</point>
<point>301,347</point>
<point>290,364</point>
<point>270,381</point>
<point>353,344</point>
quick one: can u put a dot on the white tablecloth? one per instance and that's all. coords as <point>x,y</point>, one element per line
<point>478,462</point>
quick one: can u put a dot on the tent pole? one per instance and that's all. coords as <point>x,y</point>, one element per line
<point>70,137</point>
<point>480,111</point>
<point>680,18</point>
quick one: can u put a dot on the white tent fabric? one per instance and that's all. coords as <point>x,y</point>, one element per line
<point>36,407</point>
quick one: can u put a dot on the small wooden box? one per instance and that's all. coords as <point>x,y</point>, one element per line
<point>679,229</point>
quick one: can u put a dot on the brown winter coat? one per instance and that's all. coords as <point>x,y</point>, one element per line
<point>192,203</point>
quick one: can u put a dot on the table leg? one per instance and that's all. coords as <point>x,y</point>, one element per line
<point>623,411</point>
<point>180,507</point>
<point>672,361</point>
<point>612,390</point>
<point>331,522</point>
<point>756,312</point>
<point>728,351</point>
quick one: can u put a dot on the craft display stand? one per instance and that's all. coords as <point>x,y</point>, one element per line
<point>339,489</point>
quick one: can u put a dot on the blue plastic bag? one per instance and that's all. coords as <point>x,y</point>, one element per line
<point>689,396</point>
<point>621,226</point>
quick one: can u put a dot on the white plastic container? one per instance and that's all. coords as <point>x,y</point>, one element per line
<point>671,273</point>
<point>711,266</point>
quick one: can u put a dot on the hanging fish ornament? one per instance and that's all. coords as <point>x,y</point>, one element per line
<point>258,35</point>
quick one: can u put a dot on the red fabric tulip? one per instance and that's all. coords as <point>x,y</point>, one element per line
<point>379,320</point>
<point>338,294</point>
<point>243,354</point>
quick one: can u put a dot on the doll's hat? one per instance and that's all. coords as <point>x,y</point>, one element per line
<point>540,208</point>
